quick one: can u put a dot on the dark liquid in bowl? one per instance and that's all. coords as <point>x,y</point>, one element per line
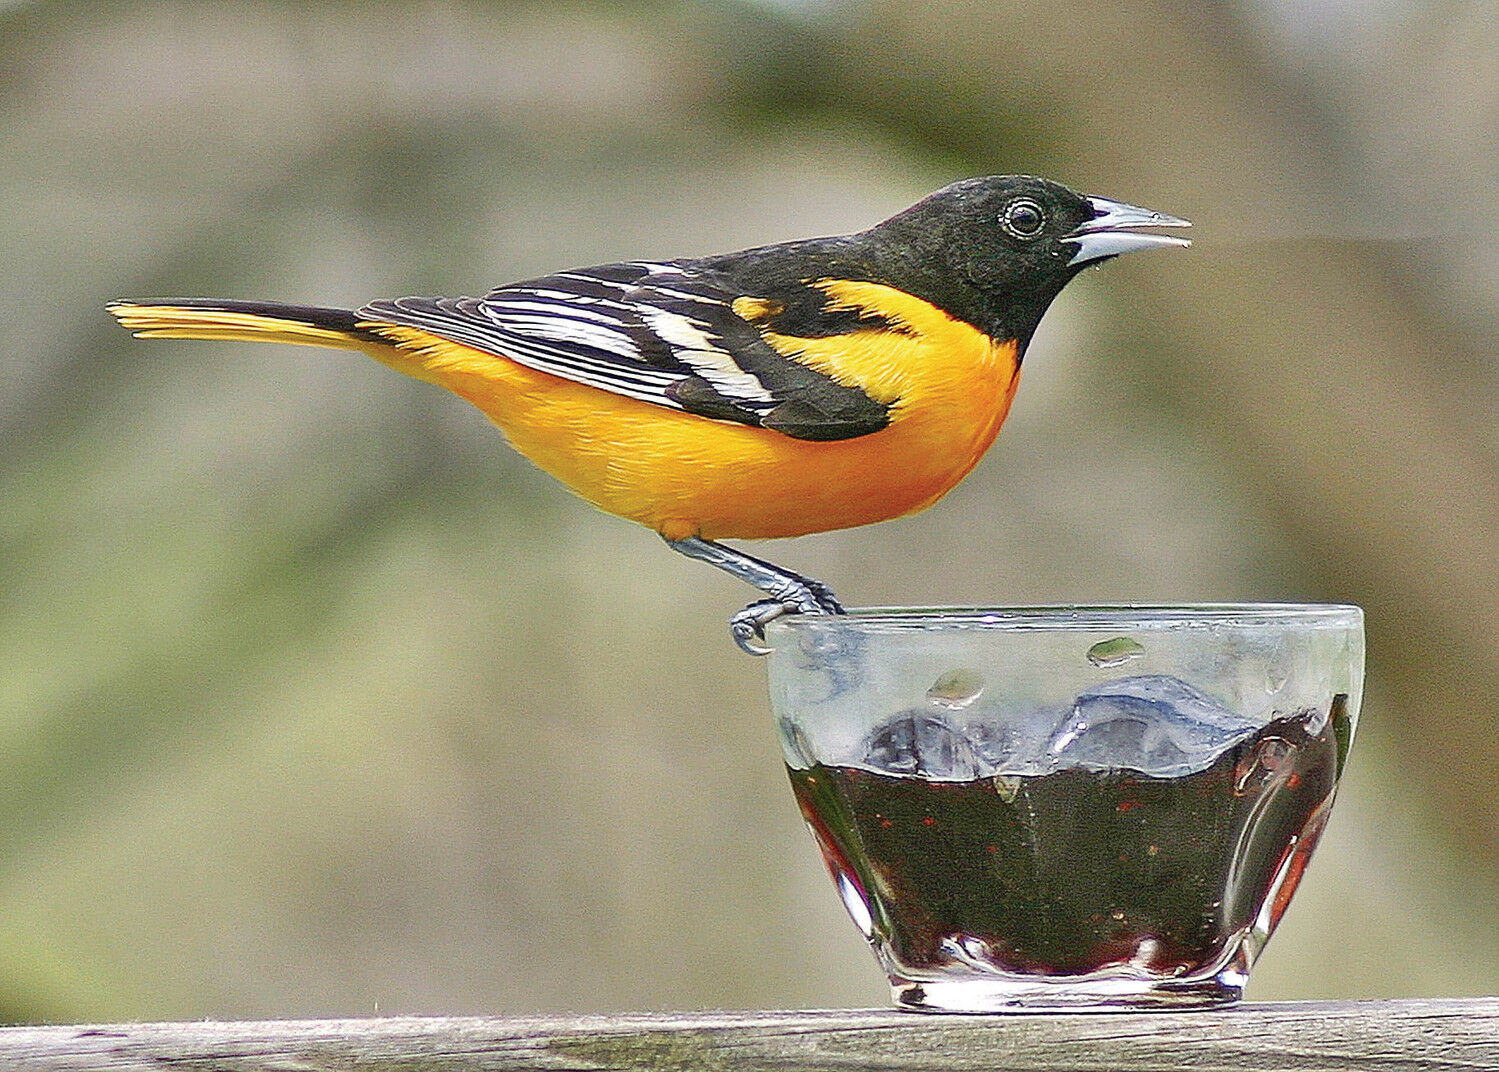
<point>1078,870</point>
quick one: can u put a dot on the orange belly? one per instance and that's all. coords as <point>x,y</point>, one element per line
<point>686,475</point>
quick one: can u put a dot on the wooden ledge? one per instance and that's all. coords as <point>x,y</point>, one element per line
<point>1367,1036</point>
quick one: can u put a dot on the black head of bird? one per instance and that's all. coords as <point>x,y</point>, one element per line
<point>995,251</point>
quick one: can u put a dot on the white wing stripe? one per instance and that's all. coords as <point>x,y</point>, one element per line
<point>647,383</point>
<point>683,295</point>
<point>570,311</point>
<point>603,363</point>
<point>564,299</point>
<point>595,280</point>
<point>548,360</point>
<point>577,332</point>
<point>609,381</point>
<point>693,346</point>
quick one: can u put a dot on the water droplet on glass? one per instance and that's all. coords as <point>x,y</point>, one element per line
<point>956,689</point>
<point>1115,652</point>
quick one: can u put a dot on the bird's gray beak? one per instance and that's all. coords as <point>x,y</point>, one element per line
<point>1112,231</point>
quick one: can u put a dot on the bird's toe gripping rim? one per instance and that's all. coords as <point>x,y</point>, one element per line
<point>748,625</point>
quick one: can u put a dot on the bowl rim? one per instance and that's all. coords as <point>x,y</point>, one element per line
<point>1080,616</point>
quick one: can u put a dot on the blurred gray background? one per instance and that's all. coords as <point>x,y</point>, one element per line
<point>315,699</point>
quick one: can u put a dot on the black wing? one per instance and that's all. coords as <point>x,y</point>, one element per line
<point>667,334</point>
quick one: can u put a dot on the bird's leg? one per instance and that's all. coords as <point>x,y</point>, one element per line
<point>790,593</point>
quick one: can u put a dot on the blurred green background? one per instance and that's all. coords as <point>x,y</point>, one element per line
<point>315,699</point>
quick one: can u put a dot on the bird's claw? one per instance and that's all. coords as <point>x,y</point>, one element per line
<point>747,626</point>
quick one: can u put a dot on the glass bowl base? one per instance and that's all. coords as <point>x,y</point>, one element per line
<point>1020,994</point>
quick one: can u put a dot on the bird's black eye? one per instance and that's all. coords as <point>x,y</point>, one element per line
<point>1023,218</point>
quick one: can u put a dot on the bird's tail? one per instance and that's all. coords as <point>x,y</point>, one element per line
<point>207,318</point>
<point>257,321</point>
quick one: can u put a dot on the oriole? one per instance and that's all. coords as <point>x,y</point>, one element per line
<point>770,392</point>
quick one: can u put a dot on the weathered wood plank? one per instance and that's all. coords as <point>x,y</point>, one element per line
<point>1367,1036</point>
